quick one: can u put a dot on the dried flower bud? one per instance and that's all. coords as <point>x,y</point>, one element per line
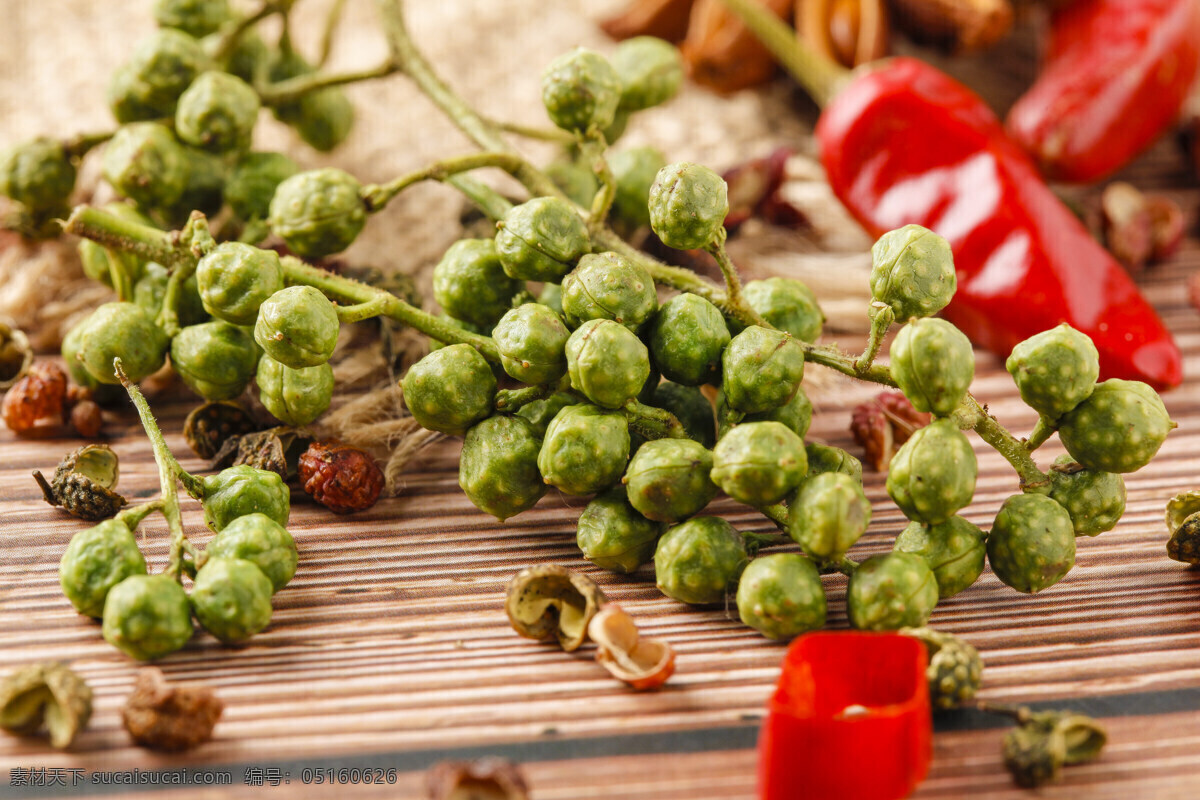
<point>340,477</point>
<point>549,600</point>
<point>45,694</point>
<point>1045,741</point>
<point>209,426</point>
<point>83,483</point>
<point>160,716</point>
<point>955,670</point>
<point>1183,523</point>
<point>883,424</point>
<point>485,779</point>
<point>16,356</point>
<point>641,663</point>
<point>36,400</point>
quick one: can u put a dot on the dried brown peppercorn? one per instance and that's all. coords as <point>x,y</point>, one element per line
<point>36,400</point>
<point>883,424</point>
<point>45,694</point>
<point>340,477</point>
<point>83,483</point>
<point>87,418</point>
<point>485,779</point>
<point>210,425</point>
<point>160,716</point>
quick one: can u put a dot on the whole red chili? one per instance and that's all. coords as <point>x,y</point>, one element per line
<point>342,478</point>
<point>1114,77</point>
<point>902,142</point>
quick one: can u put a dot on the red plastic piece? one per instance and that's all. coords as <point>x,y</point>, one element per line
<point>849,720</point>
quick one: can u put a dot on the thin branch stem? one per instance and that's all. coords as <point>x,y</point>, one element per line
<point>529,132</point>
<point>510,401</point>
<point>733,283</point>
<point>376,196</point>
<point>593,151</point>
<point>292,89</point>
<point>331,24</point>
<point>882,317</point>
<point>488,200</point>
<point>651,422</point>
<point>232,34</point>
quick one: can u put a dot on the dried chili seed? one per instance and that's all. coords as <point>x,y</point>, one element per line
<point>160,716</point>
<point>342,478</point>
<point>87,419</point>
<point>883,424</point>
<point>37,399</point>
<point>210,425</point>
<point>485,779</point>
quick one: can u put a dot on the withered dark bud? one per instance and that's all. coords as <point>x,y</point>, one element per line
<point>46,694</point>
<point>276,449</point>
<point>548,600</point>
<point>16,356</point>
<point>209,426</point>
<point>161,716</point>
<point>955,670</point>
<point>485,779</point>
<point>83,483</point>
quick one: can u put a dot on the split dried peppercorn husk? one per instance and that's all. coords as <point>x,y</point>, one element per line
<point>1045,741</point>
<point>340,477</point>
<point>620,649</point>
<point>169,717</point>
<point>83,483</point>
<point>210,426</point>
<point>485,779</point>
<point>549,600</point>
<point>46,695</point>
<point>16,356</point>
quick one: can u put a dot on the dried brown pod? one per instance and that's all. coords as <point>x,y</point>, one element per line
<point>641,663</point>
<point>340,477</point>
<point>883,424</point>
<point>45,695</point>
<point>849,32</point>
<point>1139,228</point>
<point>210,425</point>
<point>84,482</point>
<point>162,716</point>
<point>721,53</point>
<point>549,600</point>
<point>36,401</point>
<point>754,191</point>
<point>954,26</point>
<point>87,418</point>
<point>16,355</point>
<point>484,779</point>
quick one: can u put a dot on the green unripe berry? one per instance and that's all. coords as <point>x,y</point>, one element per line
<point>144,163</point>
<point>295,397</point>
<point>788,304</point>
<point>697,561</point>
<point>828,514</point>
<point>688,204</point>
<point>151,290</point>
<point>891,591</point>
<point>237,491</point>
<point>796,414</point>
<point>498,466</point>
<point>323,118</point>
<point>540,240</point>
<point>822,458</point>
<point>912,272</point>
<point>205,187</point>
<point>551,297</point>
<point>38,174</point>
<point>95,561</point>
<point>147,616</point>
<point>216,360</point>
<point>194,17</point>
<point>933,474</point>
<point>634,171</point>
<point>650,69</point>
<point>608,286</point>
<point>1032,543</point>
<point>613,535</point>
<point>235,279</point>
<point>607,362</point>
<point>1095,500</point>
<point>539,413</point>
<point>761,369</point>
<point>125,331</point>
<point>217,112</point>
<point>758,463</point>
<point>298,327</point>
<point>1055,370</point>
<point>470,284</point>
<point>253,182</point>
<point>262,541</point>
<point>693,410</point>
<point>319,212</point>
<point>780,596</point>
<point>668,479</point>
<point>231,598</point>
<point>149,84</point>
<point>933,364</point>
<point>576,181</point>
<point>1118,428</point>
<point>953,549</point>
<point>450,389</point>
<point>581,91</point>
<point>687,339</point>
<point>532,341</point>
<point>72,346</point>
<point>585,449</point>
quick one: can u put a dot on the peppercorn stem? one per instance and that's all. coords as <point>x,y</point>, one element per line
<point>332,19</point>
<point>733,282</point>
<point>593,150</point>
<point>493,204</point>
<point>144,241</point>
<point>757,541</point>
<point>555,135</point>
<point>882,317</point>
<point>293,89</point>
<point>842,564</point>
<point>229,37</point>
<point>970,414</point>
<point>79,145</point>
<point>509,401</point>
<point>1042,430</point>
<point>777,513</point>
<point>133,516</point>
<point>375,197</point>
<point>360,311</point>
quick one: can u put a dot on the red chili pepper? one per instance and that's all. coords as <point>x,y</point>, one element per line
<point>902,142</point>
<point>1115,75</point>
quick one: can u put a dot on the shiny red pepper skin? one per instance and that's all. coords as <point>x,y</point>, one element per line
<point>904,143</point>
<point>1115,75</point>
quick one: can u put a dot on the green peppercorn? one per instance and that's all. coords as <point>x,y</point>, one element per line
<point>651,71</point>
<point>149,84</point>
<point>613,535</point>
<point>780,596</point>
<point>298,327</point>
<point>216,360</point>
<point>469,283</point>
<point>796,414</point>
<point>319,212</point>
<point>498,466</point>
<point>955,670</point>
<point>891,591</point>
<point>634,171</point>
<point>263,542</point>
<point>204,190</point>
<point>607,362</point>
<point>933,474</point>
<point>758,463</point>
<point>668,479</point>
<point>576,181</point>
<point>96,560</point>
<point>147,616</point>
<point>231,597</point>
<point>450,389</point>
<point>1055,370</point>
<point>912,272</point>
<point>253,182</point>
<point>687,338</point>
<point>581,91</point>
<point>194,17</point>
<point>693,410</point>
<point>1032,543</point>
<point>295,397</point>
<point>123,330</point>
<point>828,514</point>
<point>1095,500</point>
<point>217,112</point>
<point>617,129</point>
<point>72,345</point>
<point>551,297</point>
<point>822,458</point>
<point>250,58</point>
<point>151,289</point>
<point>608,286</point>
<point>688,204</point>
<point>539,413</point>
<point>144,163</point>
<point>240,490</point>
<point>585,449</point>
<point>697,561</point>
<point>953,549</point>
<point>323,118</point>
<point>234,280</point>
<point>532,341</point>
<point>933,365</point>
<point>540,240</point>
<point>1118,428</point>
<point>762,369</point>
<point>38,174</point>
<point>788,304</point>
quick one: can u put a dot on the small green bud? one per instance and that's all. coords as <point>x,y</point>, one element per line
<point>762,369</point>
<point>581,91</point>
<point>319,212</point>
<point>613,535</point>
<point>1055,370</point>
<point>123,330</point>
<point>758,463</point>
<point>650,69</point>
<point>668,479</point>
<point>295,397</point>
<point>144,163</point>
<point>253,182</point>
<point>891,591</point>
<point>1095,500</point>
<point>607,362</point>
<point>193,17</point>
<point>912,272</point>
<point>822,458</point>
<point>697,561</point>
<point>498,466</point>
<point>216,360</point>
<point>231,598</point>
<point>688,204</point>
<point>217,112</point>
<point>147,616</point>
<point>828,514</point>
<point>38,174</point>
<point>1118,428</point>
<point>1032,543</point>
<point>953,549</point>
<point>933,364</point>
<point>693,410</point>
<point>235,279</point>
<point>149,84</point>
<point>687,339</point>
<point>608,286</point>
<point>237,491</point>
<point>781,597</point>
<point>634,171</point>
<point>262,541</point>
<point>541,239</point>
<point>95,561</point>
<point>788,304</point>
<point>532,341</point>
<point>470,284</point>
<point>585,449</point>
<point>298,327</point>
<point>933,474</point>
<point>450,389</point>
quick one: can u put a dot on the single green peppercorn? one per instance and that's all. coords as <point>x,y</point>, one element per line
<point>72,346</point>
<point>204,190</point>
<point>144,163</point>
<point>955,671</point>
<point>668,479</point>
<point>253,182</point>
<point>607,362</point>
<point>1118,428</point>
<point>216,360</point>
<point>193,17</point>
<point>933,365</point>
<point>38,174</point>
<point>234,280</point>
<point>689,405</point>
<point>147,616</point>
<point>912,272</point>
<point>1032,543</point>
<point>576,181</point>
<point>688,204</point>
<point>585,449</point>
<point>231,597</point>
<point>498,466</point>
<point>217,112</point>
<point>891,591</point>
<point>608,286</point>
<point>295,397</point>
<point>539,413</point>
<point>532,341</point>
<point>613,535</point>
<point>323,118</point>
<point>470,284</point>
<point>780,596</point>
<point>1095,500</point>
<point>822,458</point>
<point>581,91</point>
<point>758,463</point>
<point>240,490</point>
<point>762,369</point>
<point>95,561</point>
<point>551,297</point>
<point>151,289</point>
<point>149,84</point>
<point>617,129</point>
<point>319,212</point>
<point>262,541</point>
<point>687,339</point>
<point>124,330</point>
<point>650,69</point>
<point>1055,370</point>
<point>540,240</point>
<point>298,327</point>
<point>828,514</point>
<point>933,474</point>
<point>796,414</point>
<point>788,304</point>
<point>250,58</point>
<point>697,561</point>
<point>450,389</point>
<point>953,549</point>
<point>634,171</point>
